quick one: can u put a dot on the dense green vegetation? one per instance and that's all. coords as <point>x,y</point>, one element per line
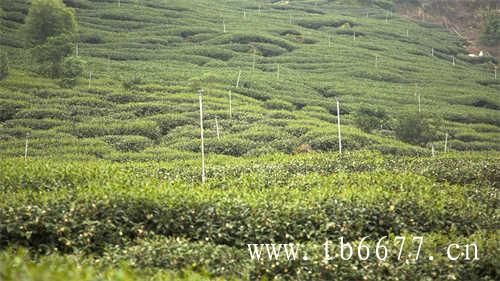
<point>100,169</point>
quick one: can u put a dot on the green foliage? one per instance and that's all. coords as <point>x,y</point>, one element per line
<point>50,55</point>
<point>49,18</point>
<point>369,119</point>
<point>490,31</point>
<point>4,66</point>
<point>414,128</point>
<point>72,68</point>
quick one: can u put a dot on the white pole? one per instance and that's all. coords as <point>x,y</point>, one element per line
<point>203,179</point>
<point>254,57</point>
<point>238,80</point>
<point>259,10</point>
<point>433,150</point>
<point>76,49</point>
<point>224,25</point>
<point>432,52</point>
<point>453,60</point>
<point>217,128</point>
<point>419,108</point>
<point>446,143</point>
<point>496,72</point>
<point>376,61</point>
<point>26,147</point>
<point>416,89</point>
<point>230,106</point>
<point>354,36</point>
<point>119,3</point>
<point>338,125</point>
<point>290,20</point>
<point>245,15</point>
<point>278,72</point>
<point>407,33</point>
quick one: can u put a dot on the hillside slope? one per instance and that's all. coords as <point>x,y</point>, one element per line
<point>149,58</point>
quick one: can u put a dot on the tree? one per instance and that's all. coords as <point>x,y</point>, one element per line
<point>4,66</point>
<point>48,18</point>
<point>50,55</point>
<point>490,32</point>
<point>414,128</point>
<point>72,67</point>
<point>368,119</point>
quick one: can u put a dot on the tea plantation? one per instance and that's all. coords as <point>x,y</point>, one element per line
<point>101,178</point>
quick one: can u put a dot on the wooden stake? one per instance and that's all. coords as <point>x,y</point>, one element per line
<point>338,125</point>
<point>217,128</point>
<point>26,147</point>
<point>238,80</point>
<point>446,143</point>
<point>203,176</point>
<point>230,106</point>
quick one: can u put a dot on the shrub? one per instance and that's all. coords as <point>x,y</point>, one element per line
<point>490,32</point>
<point>4,66</point>
<point>414,128</point>
<point>128,143</point>
<point>72,68</point>
<point>368,119</point>
<point>279,104</point>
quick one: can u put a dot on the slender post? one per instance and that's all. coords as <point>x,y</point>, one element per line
<point>387,17</point>
<point>354,36</point>
<point>432,52</point>
<point>26,147</point>
<point>230,105</point>
<point>446,143</point>
<point>238,80</point>
<point>453,58</point>
<point>376,61</point>
<point>407,33</point>
<point>217,128</point>
<point>338,125</point>
<point>254,58</point>
<point>119,3</point>
<point>224,25</point>
<point>107,66</point>
<point>259,10</point>
<point>419,108</point>
<point>290,20</point>
<point>203,176</point>
<point>496,72</point>
<point>329,40</point>
<point>90,78</point>
<point>433,150</point>
<point>244,14</point>
<point>278,72</point>
<point>76,49</point>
